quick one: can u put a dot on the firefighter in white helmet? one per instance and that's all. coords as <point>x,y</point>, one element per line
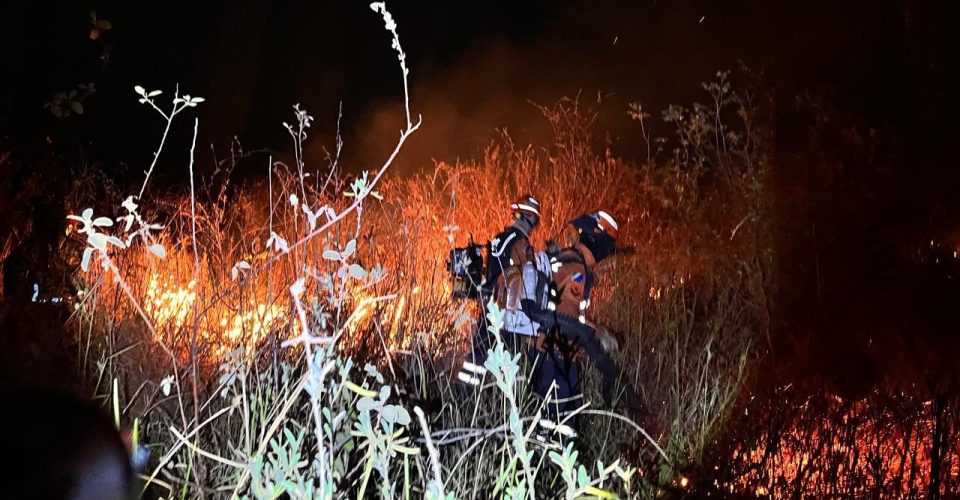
<point>566,317</point>
<point>515,273</point>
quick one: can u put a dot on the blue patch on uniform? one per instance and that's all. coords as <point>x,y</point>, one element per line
<point>578,278</point>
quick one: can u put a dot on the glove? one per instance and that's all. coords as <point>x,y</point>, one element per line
<point>572,328</point>
<point>607,340</point>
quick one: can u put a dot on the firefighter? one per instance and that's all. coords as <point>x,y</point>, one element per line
<point>515,272</point>
<point>572,335</point>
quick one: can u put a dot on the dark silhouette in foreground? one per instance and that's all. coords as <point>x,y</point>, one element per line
<point>63,448</point>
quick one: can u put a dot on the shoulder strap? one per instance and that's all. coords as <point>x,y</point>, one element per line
<point>504,243</point>
<point>498,252</point>
<point>573,256</point>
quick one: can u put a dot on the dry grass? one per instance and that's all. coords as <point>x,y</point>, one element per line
<point>691,302</point>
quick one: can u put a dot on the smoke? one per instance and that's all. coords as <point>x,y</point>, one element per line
<point>462,110</point>
<point>606,54</point>
<point>860,176</point>
<point>476,67</point>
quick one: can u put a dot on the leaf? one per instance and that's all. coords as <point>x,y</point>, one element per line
<point>154,93</point>
<point>367,393</point>
<point>357,272</point>
<point>127,222</point>
<point>85,262</point>
<point>389,413</point>
<point>331,255</point>
<point>406,450</point>
<point>117,242</point>
<point>77,107</point>
<point>366,404</point>
<point>135,435</point>
<point>235,272</point>
<point>597,492</point>
<point>165,384</point>
<point>582,477</point>
<point>403,417</point>
<point>329,212</point>
<point>158,250</point>
<point>140,90</point>
<point>103,221</point>
<point>311,217</point>
<point>351,247</point>
<point>278,242</point>
<point>97,240</point>
<point>237,268</point>
<point>298,287</point>
<point>130,205</point>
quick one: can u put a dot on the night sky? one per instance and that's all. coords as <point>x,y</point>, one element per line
<point>475,65</point>
<point>888,69</point>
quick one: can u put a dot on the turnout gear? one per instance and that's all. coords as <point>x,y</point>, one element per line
<point>557,313</point>
<point>514,273</point>
<point>471,279</point>
<point>565,316</point>
<point>506,253</point>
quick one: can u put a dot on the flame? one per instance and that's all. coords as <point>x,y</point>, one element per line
<point>852,447</point>
<point>167,304</point>
<point>171,308</point>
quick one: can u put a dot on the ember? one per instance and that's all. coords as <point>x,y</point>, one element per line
<point>830,447</point>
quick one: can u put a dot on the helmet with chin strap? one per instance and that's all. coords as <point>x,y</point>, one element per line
<point>527,207</point>
<point>598,232</point>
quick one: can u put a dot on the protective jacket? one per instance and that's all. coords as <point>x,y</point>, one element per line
<point>566,312</point>
<point>516,273</point>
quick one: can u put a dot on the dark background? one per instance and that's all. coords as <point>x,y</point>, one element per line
<point>475,65</point>
<point>865,179</point>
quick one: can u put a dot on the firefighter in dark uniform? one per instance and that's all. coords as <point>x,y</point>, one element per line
<point>572,336</point>
<point>515,272</point>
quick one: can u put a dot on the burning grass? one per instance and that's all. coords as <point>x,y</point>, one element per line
<point>881,446</point>
<point>237,347</point>
<point>373,285</point>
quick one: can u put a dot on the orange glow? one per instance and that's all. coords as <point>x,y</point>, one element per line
<point>167,304</point>
<point>849,447</point>
<point>171,307</point>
